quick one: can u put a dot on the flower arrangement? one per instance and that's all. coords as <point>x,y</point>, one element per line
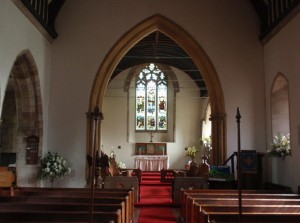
<point>206,141</point>
<point>121,165</point>
<point>53,166</point>
<point>191,152</point>
<point>112,155</point>
<point>206,147</point>
<point>280,147</point>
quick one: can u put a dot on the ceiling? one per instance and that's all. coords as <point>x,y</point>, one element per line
<point>159,48</point>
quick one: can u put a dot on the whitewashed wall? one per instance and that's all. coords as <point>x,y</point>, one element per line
<point>19,34</point>
<point>282,54</point>
<point>226,30</point>
<point>187,122</point>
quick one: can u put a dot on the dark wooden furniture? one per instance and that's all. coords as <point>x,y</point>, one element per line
<point>151,149</point>
<point>121,202</point>
<point>201,205</point>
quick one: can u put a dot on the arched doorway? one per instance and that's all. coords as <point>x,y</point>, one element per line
<point>22,117</point>
<point>199,57</point>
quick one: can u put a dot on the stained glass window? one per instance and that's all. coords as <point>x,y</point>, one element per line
<point>151,99</point>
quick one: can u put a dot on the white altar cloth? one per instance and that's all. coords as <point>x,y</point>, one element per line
<point>151,163</point>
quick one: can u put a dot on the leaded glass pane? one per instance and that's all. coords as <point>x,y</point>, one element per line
<point>162,107</point>
<point>140,106</point>
<point>151,99</point>
<point>151,105</point>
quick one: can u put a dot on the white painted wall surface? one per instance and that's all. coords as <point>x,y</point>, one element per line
<point>17,35</point>
<point>281,54</point>
<point>226,30</point>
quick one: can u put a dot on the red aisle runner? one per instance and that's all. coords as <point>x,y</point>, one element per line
<point>156,202</point>
<point>156,215</point>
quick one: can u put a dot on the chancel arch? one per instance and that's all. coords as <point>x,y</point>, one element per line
<point>192,48</point>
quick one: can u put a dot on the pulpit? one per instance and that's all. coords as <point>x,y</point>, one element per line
<point>252,169</point>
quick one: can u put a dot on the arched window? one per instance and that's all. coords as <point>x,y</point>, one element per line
<point>151,99</point>
<point>280,105</point>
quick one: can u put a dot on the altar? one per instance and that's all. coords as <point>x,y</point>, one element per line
<point>151,163</point>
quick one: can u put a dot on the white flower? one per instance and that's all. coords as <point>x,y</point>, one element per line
<point>53,166</point>
<point>121,165</point>
<point>280,146</point>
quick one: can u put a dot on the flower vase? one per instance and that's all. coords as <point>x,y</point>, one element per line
<point>193,162</point>
<point>204,167</point>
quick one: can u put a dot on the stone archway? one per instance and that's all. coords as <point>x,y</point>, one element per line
<point>22,108</point>
<point>193,49</point>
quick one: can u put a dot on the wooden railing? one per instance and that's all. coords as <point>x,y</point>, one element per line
<point>45,12</point>
<point>272,12</point>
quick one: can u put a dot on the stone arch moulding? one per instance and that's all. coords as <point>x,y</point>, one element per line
<point>201,60</point>
<point>25,74</point>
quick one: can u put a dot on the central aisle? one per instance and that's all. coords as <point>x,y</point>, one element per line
<point>156,200</point>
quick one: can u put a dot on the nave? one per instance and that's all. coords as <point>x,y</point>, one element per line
<point>154,204</point>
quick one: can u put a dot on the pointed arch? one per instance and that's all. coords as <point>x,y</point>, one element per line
<point>193,49</point>
<point>28,96</point>
<point>22,114</point>
<point>280,105</point>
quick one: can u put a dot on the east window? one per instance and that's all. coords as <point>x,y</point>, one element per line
<point>151,99</point>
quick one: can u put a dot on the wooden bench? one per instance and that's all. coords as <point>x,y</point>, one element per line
<point>186,183</point>
<point>207,204</point>
<point>76,192</point>
<point>190,197</point>
<point>250,214</point>
<point>221,193</point>
<point>66,207</point>
<point>123,182</point>
<point>63,192</point>
<point>69,199</point>
<point>59,216</point>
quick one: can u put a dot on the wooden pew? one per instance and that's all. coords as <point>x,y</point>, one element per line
<point>224,193</point>
<point>227,203</point>
<point>123,182</point>
<point>59,216</point>
<point>193,198</point>
<point>251,214</point>
<point>63,192</point>
<point>186,183</point>
<point>85,193</point>
<point>69,199</point>
<point>66,207</point>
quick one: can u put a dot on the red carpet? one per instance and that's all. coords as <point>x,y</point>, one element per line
<point>156,200</point>
<point>156,215</point>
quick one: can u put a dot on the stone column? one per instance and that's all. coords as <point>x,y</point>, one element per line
<point>218,133</point>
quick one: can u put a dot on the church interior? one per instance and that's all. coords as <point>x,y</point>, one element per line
<point>178,95</point>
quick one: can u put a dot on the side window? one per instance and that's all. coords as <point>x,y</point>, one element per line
<point>280,106</point>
